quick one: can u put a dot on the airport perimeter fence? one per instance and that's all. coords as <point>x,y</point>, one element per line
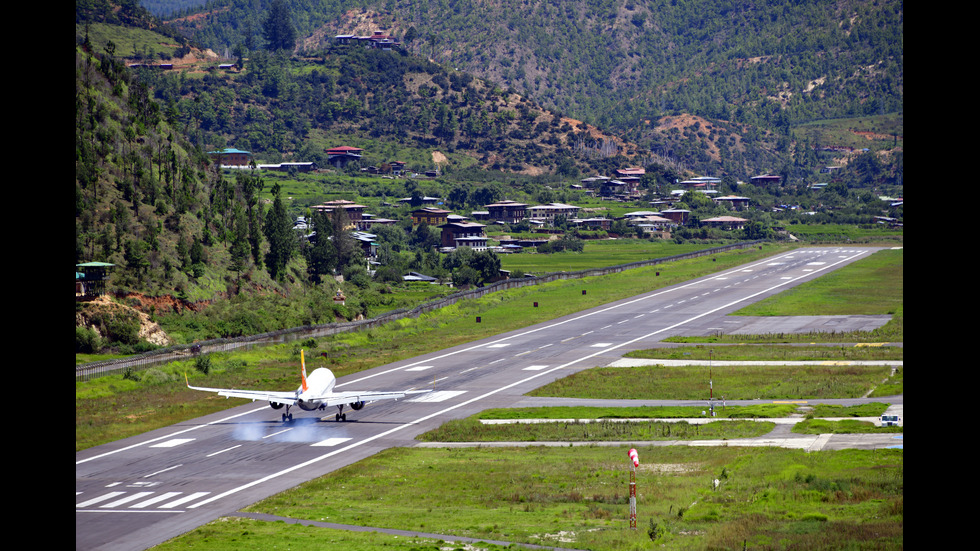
<point>146,360</point>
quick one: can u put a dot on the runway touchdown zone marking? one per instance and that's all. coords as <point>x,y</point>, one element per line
<point>438,396</point>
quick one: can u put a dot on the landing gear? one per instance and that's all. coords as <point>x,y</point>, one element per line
<point>287,417</point>
<point>341,416</point>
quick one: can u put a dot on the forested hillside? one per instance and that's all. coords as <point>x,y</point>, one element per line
<point>182,232</point>
<point>622,64</point>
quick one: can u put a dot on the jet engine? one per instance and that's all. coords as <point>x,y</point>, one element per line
<point>356,405</point>
<point>276,405</point>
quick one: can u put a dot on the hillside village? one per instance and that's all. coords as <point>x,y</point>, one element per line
<point>456,230</point>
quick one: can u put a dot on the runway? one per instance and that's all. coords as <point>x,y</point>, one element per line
<point>141,491</point>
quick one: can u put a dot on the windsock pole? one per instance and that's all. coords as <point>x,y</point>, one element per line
<point>634,463</point>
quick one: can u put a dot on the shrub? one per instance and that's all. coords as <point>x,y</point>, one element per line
<point>203,363</point>
<point>87,341</point>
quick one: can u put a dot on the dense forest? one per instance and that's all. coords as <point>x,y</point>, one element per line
<point>150,200</point>
<point>620,63</point>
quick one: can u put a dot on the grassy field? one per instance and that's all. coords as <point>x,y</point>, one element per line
<point>577,497</point>
<point>744,382</point>
<point>595,254</point>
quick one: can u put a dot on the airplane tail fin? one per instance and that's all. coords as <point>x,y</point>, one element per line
<point>302,363</point>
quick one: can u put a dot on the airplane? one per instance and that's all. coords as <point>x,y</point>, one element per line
<point>314,394</point>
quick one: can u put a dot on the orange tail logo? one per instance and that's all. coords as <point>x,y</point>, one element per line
<point>302,363</point>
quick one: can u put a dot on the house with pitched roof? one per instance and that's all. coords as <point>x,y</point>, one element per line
<point>340,156</point>
<point>463,234</point>
<point>507,211</point>
<point>231,157</point>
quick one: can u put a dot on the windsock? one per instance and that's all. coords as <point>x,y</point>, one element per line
<point>634,457</point>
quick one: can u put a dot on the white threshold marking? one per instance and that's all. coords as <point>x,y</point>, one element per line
<point>125,500</point>
<point>535,368</point>
<point>99,499</point>
<point>420,368</point>
<point>601,345</point>
<point>184,500</point>
<point>438,396</point>
<point>156,499</point>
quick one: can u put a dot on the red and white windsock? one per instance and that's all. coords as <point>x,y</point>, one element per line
<point>634,457</point>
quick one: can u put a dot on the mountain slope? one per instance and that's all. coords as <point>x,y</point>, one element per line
<point>617,63</point>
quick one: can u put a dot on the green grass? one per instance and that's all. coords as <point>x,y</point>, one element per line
<point>636,412</point>
<point>744,382</point>
<point>870,286</point>
<point>764,498</point>
<point>770,352</point>
<point>596,254</point>
<point>472,430</point>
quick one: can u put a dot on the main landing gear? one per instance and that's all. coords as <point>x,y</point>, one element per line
<point>341,416</point>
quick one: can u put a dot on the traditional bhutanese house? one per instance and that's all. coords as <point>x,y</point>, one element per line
<point>680,216</point>
<point>309,166</point>
<point>340,156</point>
<point>701,183</point>
<point>397,167</point>
<point>734,202</point>
<point>594,182</point>
<point>354,211</point>
<point>764,180</point>
<point>231,157</point>
<point>725,222</point>
<point>594,223</point>
<point>615,188</point>
<point>368,243</point>
<point>548,213</point>
<point>630,172</point>
<point>368,221</point>
<point>430,215</point>
<point>507,211</point>
<point>378,40</point>
<point>463,234</point>
<point>654,221</point>
<point>425,200</point>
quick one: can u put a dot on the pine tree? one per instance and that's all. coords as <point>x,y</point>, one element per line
<point>279,233</point>
<point>278,27</point>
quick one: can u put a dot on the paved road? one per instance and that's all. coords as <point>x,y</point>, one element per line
<point>141,491</point>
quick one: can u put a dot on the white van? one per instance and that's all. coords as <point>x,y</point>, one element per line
<point>890,420</point>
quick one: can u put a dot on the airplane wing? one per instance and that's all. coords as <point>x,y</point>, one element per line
<point>338,398</point>
<point>283,397</point>
<point>287,397</point>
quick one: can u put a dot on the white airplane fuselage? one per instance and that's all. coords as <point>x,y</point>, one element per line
<point>318,383</point>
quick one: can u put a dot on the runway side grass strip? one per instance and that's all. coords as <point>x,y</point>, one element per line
<point>687,498</point>
<point>471,430</point>
<point>743,382</point>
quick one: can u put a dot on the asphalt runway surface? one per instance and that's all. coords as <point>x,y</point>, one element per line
<point>141,491</point>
